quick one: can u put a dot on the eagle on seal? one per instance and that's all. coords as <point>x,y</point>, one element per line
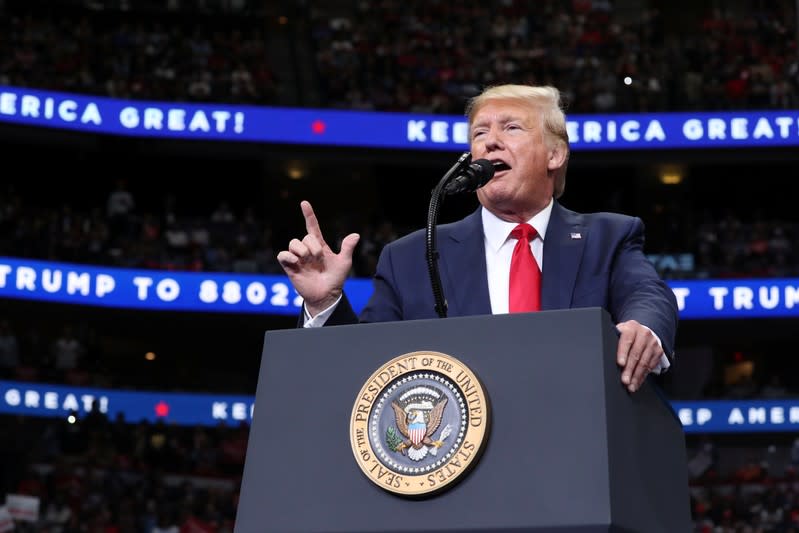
<point>417,426</point>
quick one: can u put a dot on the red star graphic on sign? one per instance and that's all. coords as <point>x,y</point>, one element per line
<point>161,409</point>
<point>318,127</point>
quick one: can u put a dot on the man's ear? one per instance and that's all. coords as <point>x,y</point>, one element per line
<point>557,155</point>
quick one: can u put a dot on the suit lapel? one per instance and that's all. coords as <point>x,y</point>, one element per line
<point>463,266</point>
<point>563,249</point>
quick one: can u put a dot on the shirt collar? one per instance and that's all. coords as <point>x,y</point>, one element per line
<point>497,231</point>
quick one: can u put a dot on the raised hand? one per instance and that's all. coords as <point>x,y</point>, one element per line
<point>317,273</point>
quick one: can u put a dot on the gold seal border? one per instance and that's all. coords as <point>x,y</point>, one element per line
<point>476,403</point>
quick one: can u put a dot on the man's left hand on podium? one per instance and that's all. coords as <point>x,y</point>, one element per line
<point>638,353</point>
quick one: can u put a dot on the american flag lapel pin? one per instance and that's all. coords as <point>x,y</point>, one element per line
<point>576,235</point>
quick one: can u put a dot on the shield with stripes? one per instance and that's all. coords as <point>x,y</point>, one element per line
<point>417,429</point>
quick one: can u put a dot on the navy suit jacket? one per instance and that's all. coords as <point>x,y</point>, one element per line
<point>590,260</point>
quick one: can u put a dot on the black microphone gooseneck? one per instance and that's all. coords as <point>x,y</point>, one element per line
<point>430,232</point>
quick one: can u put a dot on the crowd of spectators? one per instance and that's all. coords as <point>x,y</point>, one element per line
<point>422,56</point>
<point>176,54</point>
<point>725,246</point>
<point>123,235</point>
<point>92,474</point>
<point>412,55</point>
<point>120,234</point>
<point>744,488</point>
<point>241,240</point>
<point>66,355</point>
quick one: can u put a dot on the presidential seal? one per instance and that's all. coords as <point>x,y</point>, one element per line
<point>419,423</point>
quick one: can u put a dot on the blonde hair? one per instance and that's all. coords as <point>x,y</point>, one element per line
<point>546,100</point>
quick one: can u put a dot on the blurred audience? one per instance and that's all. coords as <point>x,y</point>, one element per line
<point>413,55</point>
<point>201,51</point>
<point>229,241</point>
<point>748,486</point>
<point>416,55</point>
<point>93,475</point>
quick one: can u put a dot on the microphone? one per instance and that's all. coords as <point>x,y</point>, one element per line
<point>472,178</point>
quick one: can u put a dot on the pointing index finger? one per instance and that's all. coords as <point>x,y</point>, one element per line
<point>311,223</point>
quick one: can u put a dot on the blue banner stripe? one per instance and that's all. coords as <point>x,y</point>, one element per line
<point>725,416</point>
<point>222,122</point>
<point>34,399</point>
<point>272,294</point>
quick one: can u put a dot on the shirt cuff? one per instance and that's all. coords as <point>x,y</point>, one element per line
<point>320,319</point>
<point>664,363</point>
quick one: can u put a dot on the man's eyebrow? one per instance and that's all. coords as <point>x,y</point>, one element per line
<point>502,119</point>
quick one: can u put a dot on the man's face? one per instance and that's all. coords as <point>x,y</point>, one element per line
<point>510,134</point>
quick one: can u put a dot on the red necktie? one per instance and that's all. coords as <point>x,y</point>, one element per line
<point>525,276</point>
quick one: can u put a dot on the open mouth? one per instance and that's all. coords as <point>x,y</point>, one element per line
<point>500,166</point>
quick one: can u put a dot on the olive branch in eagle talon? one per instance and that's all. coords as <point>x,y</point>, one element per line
<point>392,439</point>
<point>415,428</point>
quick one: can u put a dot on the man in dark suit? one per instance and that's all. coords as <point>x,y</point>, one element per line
<point>586,260</point>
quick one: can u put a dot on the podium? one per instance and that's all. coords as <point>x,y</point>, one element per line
<point>568,449</point>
